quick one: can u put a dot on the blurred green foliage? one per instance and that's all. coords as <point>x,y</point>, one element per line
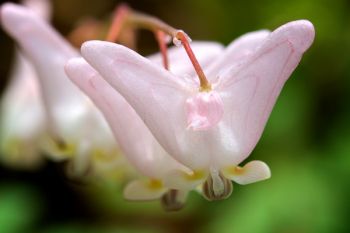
<point>306,141</point>
<point>20,207</point>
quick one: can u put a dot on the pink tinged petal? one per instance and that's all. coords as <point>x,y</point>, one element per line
<point>48,51</point>
<point>180,64</point>
<point>204,110</point>
<point>134,138</point>
<point>69,111</point>
<point>22,117</point>
<point>21,104</point>
<point>237,51</point>
<point>156,95</point>
<point>42,8</point>
<point>250,90</point>
<point>252,172</point>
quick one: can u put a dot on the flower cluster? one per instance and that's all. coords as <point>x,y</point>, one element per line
<point>181,120</point>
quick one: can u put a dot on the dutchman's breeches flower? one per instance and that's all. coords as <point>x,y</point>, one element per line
<point>22,120</point>
<point>134,138</point>
<point>22,117</point>
<point>184,124</point>
<point>213,125</point>
<point>75,129</point>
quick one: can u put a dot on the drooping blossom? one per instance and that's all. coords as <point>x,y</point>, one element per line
<point>134,138</point>
<point>209,128</point>
<point>22,115</point>
<point>75,129</point>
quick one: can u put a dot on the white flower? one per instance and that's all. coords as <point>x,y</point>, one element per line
<point>134,138</point>
<point>75,129</point>
<point>246,90</point>
<point>22,115</point>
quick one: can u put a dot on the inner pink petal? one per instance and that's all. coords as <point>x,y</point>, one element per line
<point>204,110</point>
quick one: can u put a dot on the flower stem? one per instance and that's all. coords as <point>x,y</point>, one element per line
<point>126,15</point>
<point>121,14</point>
<point>204,83</point>
<point>160,36</point>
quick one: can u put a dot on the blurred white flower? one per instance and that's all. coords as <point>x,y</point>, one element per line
<point>75,129</point>
<point>22,120</point>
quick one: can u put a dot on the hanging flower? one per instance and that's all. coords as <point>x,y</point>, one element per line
<point>134,138</point>
<point>213,125</point>
<point>74,128</point>
<point>22,115</point>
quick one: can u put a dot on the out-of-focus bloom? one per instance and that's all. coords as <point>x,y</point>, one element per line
<point>22,115</point>
<point>75,129</point>
<point>210,130</point>
<point>134,138</point>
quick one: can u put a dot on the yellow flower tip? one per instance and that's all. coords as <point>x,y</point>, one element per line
<point>11,148</point>
<point>205,88</point>
<point>234,170</point>
<point>59,149</point>
<point>66,149</point>
<point>155,184</point>
<point>101,155</point>
<point>195,175</point>
<point>20,154</point>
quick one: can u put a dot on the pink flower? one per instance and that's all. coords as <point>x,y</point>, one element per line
<point>134,138</point>
<point>22,115</point>
<point>245,83</point>
<point>74,128</point>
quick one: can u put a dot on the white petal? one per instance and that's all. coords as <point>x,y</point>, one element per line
<point>250,90</point>
<point>134,138</point>
<point>144,190</point>
<point>252,172</point>
<point>180,180</point>
<point>48,52</point>
<point>42,8</point>
<point>22,118</point>
<point>237,51</point>
<point>155,94</point>
<point>110,166</point>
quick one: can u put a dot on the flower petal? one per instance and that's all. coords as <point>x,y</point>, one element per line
<point>42,8</point>
<point>134,138</point>
<point>252,172</point>
<point>250,90</point>
<point>204,110</point>
<point>48,51</point>
<point>156,95</point>
<point>237,51</point>
<point>22,120</point>
<point>144,190</point>
<point>180,180</point>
